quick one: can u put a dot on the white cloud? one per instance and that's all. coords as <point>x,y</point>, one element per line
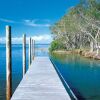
<point>37,25</point>
<point>2,40</point>
<point>42,39</point>
<point>34,24</point>
<point>7,20</point>
<point>28,22</point>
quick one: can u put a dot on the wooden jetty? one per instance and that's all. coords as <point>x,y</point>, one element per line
<point>41,82</point>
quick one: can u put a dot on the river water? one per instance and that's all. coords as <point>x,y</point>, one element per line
<point>40,50</point>
<point>81,74</point>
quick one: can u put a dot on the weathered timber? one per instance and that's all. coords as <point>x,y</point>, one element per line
<point>24,54</point>
<point>41,82</point>
<point>30,51</point>
<point>8,64</point>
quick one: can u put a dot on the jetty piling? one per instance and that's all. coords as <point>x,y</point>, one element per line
<point>41,80</point>
<point>8,64</point>
<point>30,51</point>
<point>33,48</point>
<point>24,54</point>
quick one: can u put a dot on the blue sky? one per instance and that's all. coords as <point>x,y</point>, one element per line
<point>32,17</point>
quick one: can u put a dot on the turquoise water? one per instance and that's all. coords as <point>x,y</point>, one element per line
<point>81,74</point>
<point>16,65</point>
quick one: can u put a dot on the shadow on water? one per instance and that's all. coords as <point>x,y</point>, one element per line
<point>76,94</point>
<point>81,74</point>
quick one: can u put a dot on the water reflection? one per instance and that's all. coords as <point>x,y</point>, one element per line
<point>82,75</point>
<point>16,65</point>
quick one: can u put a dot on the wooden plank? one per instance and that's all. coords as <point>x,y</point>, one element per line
<point>41,82</point>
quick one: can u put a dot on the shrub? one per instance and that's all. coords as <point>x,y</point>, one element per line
<point>55,45</point>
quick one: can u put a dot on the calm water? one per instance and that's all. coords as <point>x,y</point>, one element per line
<point>82,75</point>
<point>41,50</point>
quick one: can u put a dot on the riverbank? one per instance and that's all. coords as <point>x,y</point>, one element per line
<point>84,53</point>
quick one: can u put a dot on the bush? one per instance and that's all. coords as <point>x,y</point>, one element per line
<point>55,45</point>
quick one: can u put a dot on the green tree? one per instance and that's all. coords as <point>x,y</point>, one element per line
<point>80,27</point>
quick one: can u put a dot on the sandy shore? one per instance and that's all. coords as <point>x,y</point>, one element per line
<point>84,53</point>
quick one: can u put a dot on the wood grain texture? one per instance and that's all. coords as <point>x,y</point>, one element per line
<point>8,64</point>
<point>41,82</point>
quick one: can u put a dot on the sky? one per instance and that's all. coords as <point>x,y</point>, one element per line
<point>31,17</point>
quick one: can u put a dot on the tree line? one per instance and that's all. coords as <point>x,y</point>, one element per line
<point>79,28</point>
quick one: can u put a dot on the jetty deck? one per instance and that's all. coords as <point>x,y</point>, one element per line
<point>41,82</point>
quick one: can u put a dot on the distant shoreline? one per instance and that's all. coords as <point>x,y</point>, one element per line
<point>26,44</point>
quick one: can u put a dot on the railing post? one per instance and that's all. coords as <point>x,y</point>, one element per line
<point>24,54</point>
<point>8,64</point>
<point>29,51</point>
<point>33,49</point>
